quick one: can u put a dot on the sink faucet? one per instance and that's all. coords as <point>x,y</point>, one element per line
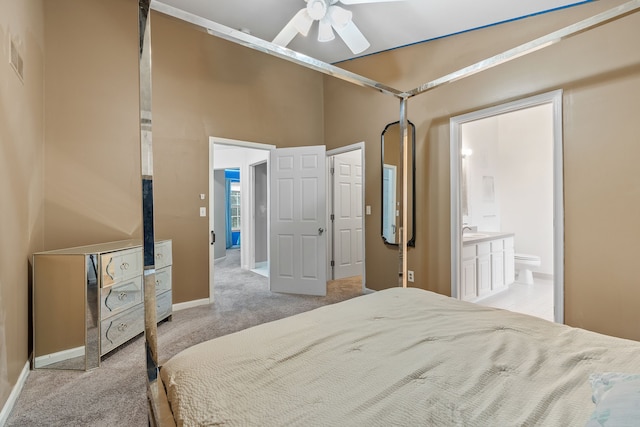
<point>466,227</point>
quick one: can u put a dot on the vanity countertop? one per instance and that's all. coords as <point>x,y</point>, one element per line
<point>475,237</point>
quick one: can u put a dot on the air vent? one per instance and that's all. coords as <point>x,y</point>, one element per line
<point>16,60</point>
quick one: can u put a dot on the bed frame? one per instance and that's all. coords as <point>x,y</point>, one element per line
<point>159,411</point>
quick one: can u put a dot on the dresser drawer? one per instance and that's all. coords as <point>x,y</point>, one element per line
<point>118,329</point>
<point>163,306</point>
<point>119,266</point>
<point>163,280</point>
<point>163,254</point>
<point>117,298</point>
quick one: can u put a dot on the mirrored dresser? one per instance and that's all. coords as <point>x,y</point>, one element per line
<point>88,301</point>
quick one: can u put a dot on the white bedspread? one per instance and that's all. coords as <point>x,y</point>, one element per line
<point>400,357</point>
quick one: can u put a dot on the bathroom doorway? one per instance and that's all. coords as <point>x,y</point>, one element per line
<point>507,206</point>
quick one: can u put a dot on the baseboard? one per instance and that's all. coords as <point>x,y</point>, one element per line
<point>190,304</point>
<point>48,359</point>
<point>13,397</point>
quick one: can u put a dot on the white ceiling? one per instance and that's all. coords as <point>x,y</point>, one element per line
<point>385,25</point>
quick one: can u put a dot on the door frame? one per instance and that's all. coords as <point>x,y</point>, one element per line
<point>555,99</point>
<point>330,200</point>
<point>213,140</point>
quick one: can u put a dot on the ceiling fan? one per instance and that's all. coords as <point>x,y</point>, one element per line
<point>330,17</point>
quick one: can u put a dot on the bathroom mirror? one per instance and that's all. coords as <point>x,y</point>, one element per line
<point>392,184</point>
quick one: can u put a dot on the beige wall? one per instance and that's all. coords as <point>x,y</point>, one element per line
<point>21,179</point>
<point>202,87</point>
<point>92,162</point>
<point>600,74</point>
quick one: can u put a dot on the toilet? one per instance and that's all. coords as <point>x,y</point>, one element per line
<point>524,263</point>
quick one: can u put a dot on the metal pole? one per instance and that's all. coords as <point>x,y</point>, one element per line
<point>146,160</point>
<point>404,156</point>
<point>256,43</point>
<point>532,46</point>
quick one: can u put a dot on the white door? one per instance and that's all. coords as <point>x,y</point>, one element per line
<point>298,221</point>
<point>347,191</point>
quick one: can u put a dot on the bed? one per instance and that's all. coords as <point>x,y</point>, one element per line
<point>402,356</point>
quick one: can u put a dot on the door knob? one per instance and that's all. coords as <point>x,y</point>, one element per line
<point>320,231</point>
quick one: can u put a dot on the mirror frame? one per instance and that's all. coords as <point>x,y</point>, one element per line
<point>412,138</point>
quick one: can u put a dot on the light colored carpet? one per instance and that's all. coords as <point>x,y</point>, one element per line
<point>115,393</point>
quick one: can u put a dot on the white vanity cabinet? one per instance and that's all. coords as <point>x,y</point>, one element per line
<point>487,265</point>
<point>484,268</point>
<point>497,265</point>
<point>468,289</point>
<point>89,300</point>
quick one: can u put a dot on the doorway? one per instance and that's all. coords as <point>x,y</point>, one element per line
<point>346,213</point>
<point>295,211</point>
<point>242,156</point>
<point>507,191</point>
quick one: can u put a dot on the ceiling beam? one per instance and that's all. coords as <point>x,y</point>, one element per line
<point>258,44</point>
<point>532,46</point>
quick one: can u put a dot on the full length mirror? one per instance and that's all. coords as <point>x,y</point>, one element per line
<point>391,184</point>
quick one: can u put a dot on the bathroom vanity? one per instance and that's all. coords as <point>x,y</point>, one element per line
<point>488,264</point>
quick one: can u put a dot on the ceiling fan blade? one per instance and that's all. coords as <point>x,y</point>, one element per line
<point>325,31</point>
<point>350,2</point>
<point>300,23</point>
<point>353,37</point>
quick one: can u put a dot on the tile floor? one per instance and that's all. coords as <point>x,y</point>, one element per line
<point>535,299</point>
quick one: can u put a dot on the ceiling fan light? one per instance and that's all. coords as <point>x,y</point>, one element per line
<point>353,37</point>
<point>339,17</point>
<point>325,32</point>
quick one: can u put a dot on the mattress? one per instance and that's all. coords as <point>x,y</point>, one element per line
<point>396,357</point>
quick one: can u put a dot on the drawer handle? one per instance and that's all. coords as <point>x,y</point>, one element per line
<point>122,296</point>
<point>124,266</point>
<point>106,269</point>
<point>159,255</point>
<point>122,327</point>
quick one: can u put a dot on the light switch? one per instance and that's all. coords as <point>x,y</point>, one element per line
<point>368,209</point>
<point>202,196</point>
<point>203,211</point>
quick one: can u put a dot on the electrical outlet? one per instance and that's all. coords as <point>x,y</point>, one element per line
<point>410,275</point>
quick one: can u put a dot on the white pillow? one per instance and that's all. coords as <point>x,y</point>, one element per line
<point>617,399</point>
